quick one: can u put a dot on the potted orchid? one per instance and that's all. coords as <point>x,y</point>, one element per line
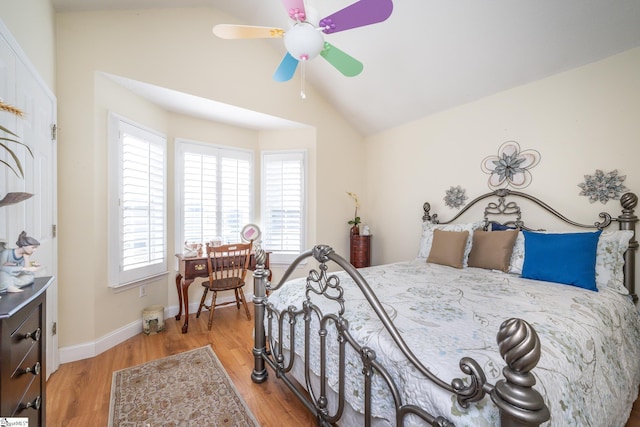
<point>355,222</point>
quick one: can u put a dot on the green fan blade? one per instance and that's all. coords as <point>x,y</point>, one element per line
<point>346,64</point>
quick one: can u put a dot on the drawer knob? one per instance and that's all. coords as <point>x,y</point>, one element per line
<point>35,335</point>
<point>35,404</point>
<point>35,369</point>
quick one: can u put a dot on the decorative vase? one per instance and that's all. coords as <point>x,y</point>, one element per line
<point>355,230</point>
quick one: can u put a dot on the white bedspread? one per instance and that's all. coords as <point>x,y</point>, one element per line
<point>589,371</point>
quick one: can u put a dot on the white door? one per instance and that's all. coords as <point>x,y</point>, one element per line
<point>37,215</point>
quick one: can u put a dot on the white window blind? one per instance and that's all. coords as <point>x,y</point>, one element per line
<point>217,192</point>
<point>283,203</point>
<point>138,203</point>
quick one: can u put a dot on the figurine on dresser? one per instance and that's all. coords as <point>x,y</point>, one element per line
<point>16,270</point>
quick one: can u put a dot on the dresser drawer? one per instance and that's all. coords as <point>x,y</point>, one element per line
<point>196,268</point>
<point>32,404</point>
<point>26,337</point>
<point>28,370</point>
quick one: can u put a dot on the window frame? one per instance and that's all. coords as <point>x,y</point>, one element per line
<point>117,278</point>
<point>182,146</point>
<point>276,257</point>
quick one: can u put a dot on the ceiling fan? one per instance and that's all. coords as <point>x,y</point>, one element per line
<point>305,39</point>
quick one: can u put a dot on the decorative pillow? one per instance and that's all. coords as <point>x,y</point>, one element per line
<point>568,258</point>
<point>448,248</point>
<point>496,226</point>
<point>427,236</point>
<point>517,256</point>
<point>610,260</point>
<point>492,250</point>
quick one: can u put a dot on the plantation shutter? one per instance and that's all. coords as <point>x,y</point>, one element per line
<point>142,202</point>
<point>283,202</point>
<point>137,236</point>
<point>217,193</point>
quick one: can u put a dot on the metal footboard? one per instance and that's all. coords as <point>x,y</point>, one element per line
<point>518,402</point>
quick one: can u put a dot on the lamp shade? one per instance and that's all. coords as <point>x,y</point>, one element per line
<point>303,41</point>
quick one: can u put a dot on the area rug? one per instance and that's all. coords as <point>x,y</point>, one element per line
<point>186,389</point>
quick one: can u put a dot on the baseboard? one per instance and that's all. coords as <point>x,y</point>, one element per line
<point>91,349</point>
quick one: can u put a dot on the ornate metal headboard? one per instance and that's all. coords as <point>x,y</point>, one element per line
<point>509,208</point>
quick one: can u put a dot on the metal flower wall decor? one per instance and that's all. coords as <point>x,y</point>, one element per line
<point>455,197</point>
<point>511,166</point>
<point>602,186</point>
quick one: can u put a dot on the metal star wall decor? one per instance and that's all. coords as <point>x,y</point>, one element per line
<point>455,197</point>
<point>602,186</point>
<point>511,166</point>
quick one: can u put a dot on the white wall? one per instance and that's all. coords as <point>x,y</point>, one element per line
<point>581,120</point>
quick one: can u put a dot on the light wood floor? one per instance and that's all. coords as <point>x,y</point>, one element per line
<point>78,393</point>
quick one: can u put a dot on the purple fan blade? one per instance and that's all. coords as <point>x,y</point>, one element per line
<point>286,69</point>
<point>359,14</point>
<point>295,9</point>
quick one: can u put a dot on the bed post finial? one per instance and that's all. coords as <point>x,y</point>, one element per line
<point>519,403</point>
<point>427,214</point>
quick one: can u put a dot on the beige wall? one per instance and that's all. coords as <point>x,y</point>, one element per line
<point>581,120</point>
<point>173,49</point>
<point>32,24</point>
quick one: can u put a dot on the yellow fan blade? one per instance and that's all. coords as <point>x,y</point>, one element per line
<point>230,31</point>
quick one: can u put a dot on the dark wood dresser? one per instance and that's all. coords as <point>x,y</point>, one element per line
<point>360,253</point>
<point>23,353</point>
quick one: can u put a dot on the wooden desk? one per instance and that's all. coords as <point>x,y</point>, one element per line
<point>188,270</point>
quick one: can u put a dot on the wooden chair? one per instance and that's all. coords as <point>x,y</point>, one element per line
<point>227,266</point>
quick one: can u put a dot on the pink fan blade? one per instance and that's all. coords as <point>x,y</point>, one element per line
<point>286,69</point>
<point>295,9</point>
<point>359,14</point>
<point>230,31</point>
<point>346,64</point>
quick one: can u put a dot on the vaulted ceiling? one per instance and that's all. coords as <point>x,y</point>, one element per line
<point>432,55</point>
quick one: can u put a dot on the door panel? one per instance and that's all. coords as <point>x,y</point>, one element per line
<point>36,215</point>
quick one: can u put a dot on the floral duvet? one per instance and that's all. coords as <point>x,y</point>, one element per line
<point>589,371</point>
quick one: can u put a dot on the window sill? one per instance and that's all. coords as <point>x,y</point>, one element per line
<point>117,288</point>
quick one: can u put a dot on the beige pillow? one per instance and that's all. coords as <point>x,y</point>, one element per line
<point>492,249</point>
<point>448,248</point>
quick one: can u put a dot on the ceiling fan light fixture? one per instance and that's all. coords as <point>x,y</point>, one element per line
<point>303,41</point>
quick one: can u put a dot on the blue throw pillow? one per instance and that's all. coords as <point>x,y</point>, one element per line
<point>568,258</point>
<point>496,226</point>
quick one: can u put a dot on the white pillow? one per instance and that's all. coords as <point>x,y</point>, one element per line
<point>517,256</point>
<point>427,236</point>
<point>609,259</point>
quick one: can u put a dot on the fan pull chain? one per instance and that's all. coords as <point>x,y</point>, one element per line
<point>303,69</point>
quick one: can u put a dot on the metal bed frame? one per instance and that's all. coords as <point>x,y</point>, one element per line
<point>517,400</point>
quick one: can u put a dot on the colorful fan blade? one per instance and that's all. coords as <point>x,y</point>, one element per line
<point>230,31</point>
<point>364,12</point>
<point>295,9</point>
<point>346,64</point>
<point>286,69</point>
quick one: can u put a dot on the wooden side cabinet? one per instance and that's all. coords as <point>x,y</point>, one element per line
<point>23,353</point>
<point>360,251</point>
